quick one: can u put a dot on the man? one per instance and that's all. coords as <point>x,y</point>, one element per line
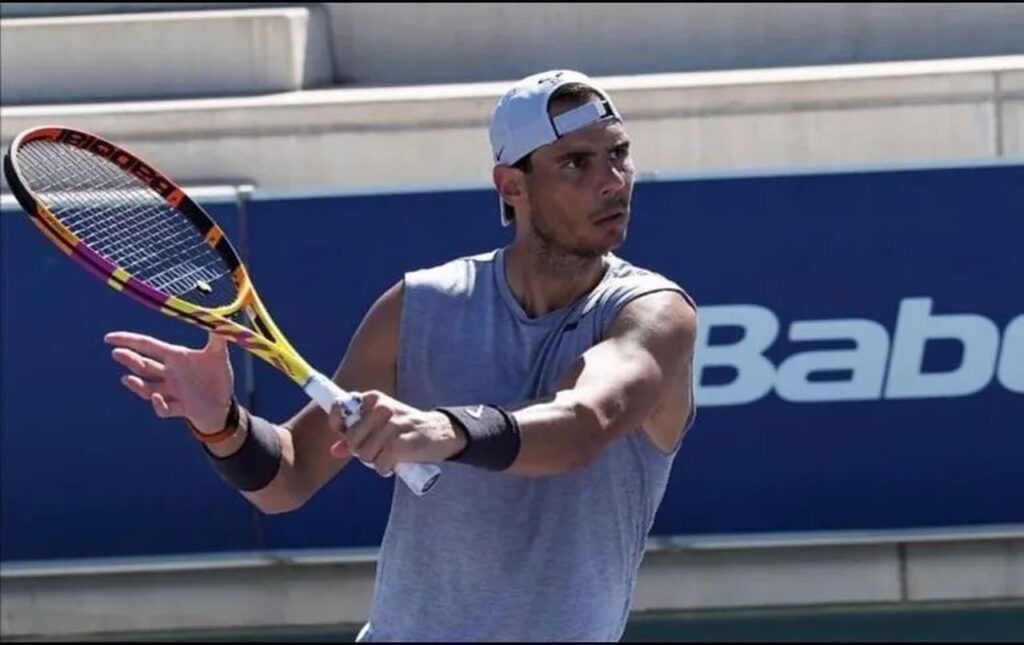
<point>550,379</point>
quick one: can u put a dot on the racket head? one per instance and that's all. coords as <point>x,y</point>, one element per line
<point>133,227</point>
<point>124,221</point>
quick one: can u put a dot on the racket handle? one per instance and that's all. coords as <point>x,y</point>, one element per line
<point>418,477</point>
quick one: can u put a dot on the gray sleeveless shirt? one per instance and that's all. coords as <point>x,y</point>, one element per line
<point>492,556</point>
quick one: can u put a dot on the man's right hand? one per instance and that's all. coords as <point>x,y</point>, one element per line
<point>176,380</point>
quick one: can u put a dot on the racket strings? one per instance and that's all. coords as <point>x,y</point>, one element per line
<point>145,218</point>
<point>121,219</point>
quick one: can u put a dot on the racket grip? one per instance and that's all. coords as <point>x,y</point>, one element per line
<point>418,477</point>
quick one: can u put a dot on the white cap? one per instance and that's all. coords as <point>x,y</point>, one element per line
<point>521,123</point>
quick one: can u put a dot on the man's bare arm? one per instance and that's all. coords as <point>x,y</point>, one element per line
<point>617,386</point>
<point>306,438</point>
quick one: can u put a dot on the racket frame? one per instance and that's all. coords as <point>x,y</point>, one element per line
<point>269,343</point>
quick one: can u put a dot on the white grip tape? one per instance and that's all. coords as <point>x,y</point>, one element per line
<point>418,477</point>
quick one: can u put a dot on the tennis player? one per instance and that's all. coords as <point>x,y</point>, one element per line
<point>550,378</point>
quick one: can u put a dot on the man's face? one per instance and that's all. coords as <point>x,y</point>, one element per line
<point>580,188</point>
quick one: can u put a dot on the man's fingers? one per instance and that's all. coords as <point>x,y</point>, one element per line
<point>377,442</point>
<point>386,461</point>
<point>370,398</point>
<point>372,421</point>
<point>163,405</point>
<point>337,420</point>
<point>339,450</point>
<point>145,345</point>
<point>165,408</point>
<point>138,364</point>
<point>138,386</point>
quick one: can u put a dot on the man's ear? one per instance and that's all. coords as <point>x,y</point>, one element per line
<point>510,184</point>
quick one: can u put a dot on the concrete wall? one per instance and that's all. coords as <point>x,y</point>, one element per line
<point>293,589</point>
<point>452,42</point>
<point>1011,114</point>
<point>162,55</point>
<point>417,43</point>
<point>39,9</point>
<point>391,138</point>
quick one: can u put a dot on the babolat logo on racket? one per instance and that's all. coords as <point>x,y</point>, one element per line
<point>122,158</point>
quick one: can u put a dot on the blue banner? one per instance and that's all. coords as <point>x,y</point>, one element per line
<point>860,362</point>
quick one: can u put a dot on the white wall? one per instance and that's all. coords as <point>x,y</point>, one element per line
<point>451,42</point>
<point>398,43</point>
<point>920,113</point>
<point>162,55</point>
<point>292,589</point>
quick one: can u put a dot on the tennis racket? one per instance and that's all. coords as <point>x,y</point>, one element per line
<point>131,226</point>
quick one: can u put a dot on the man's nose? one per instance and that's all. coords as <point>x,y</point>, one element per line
<point>613,178</point>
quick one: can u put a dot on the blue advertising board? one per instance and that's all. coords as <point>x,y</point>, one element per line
<point>860,363</point>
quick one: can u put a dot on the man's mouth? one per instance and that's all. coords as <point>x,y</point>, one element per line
<point>611,217</point>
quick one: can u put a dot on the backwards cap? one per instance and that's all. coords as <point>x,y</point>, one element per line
<point>521,123</point>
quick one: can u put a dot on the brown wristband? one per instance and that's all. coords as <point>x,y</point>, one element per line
<point>229,429</point>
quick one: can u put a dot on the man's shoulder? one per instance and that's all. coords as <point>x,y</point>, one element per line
<point>622,268</point>
<point>453,275</point>
<point>628,280</point>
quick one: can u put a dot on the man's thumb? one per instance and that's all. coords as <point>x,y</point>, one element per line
<point>216,344</point>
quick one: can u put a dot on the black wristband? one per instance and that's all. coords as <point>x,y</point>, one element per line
<point>492,436</point>
<point>256,462</point>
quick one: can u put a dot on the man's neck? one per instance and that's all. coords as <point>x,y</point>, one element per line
<point>543,280</point>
